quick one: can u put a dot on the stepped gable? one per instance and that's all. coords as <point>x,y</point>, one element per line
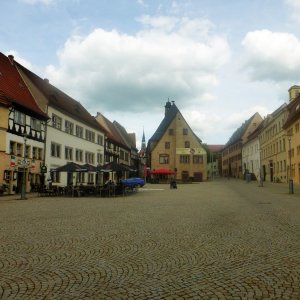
<point>14,89</point>
<point>60,100</point>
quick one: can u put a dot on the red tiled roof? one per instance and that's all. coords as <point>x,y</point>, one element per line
<point>14,88</point>
<point>61,101</point>
<point>215,148</point>
<point>110,131</point>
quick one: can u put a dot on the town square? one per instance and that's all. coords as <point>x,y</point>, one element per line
<point>150,149</point>
<point>223,239</point>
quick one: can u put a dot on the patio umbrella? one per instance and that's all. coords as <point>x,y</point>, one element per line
<point>113,167</point>
<point>70,167</point>
<point>89,168</point>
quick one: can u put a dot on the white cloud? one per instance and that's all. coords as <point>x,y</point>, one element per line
<point>109,70</point>
<point>19,59</point>
<point>295,7</point>
<point>272,55</point>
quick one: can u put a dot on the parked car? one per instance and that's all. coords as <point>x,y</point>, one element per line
<point>133,182</point>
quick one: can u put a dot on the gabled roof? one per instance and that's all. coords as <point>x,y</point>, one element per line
<point>163,126</point>
<point>110,131</point>
<point>238,134</point>
<point>170,115</point>
<point>15,90</point>
<point>128,138</point>
<point>61,101</point>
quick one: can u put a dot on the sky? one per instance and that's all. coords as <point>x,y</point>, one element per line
<point>220,61</point>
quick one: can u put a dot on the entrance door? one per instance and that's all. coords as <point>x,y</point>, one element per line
<point>198,177</point>
<point>19,182</point>
<point>185,176</point>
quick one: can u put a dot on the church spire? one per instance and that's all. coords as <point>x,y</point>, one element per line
<point>143,148</point>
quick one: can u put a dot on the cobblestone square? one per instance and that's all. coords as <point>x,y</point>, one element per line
<point>213,240</point>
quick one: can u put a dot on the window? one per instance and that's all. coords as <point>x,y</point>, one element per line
<point>12,147</point>
<point>56,121</point>
<point>27,151</point>
<point>55,150</point>
<point>122,154</point>
<point>186,144</point>
<point>68,153</point>
<point>163,158</point>
<point>80,178</point>
<point>197,159</point>
<point>69,127</point>
<point>34,152</point>
<point>167,145</point>
<point>19,118</point>
<point>99,158</point>
<point>55,177</point>
<point>37,153</point>
<point>90,178</point>
<point>126,156</point>
<point>40,153</point>
<point>89,157</point>
<point>185,131</point>
<point>79,131</point>
<point>19,149</point>
<point>35,124</point>
<point>79,155</point>
<point>99,139</point>
<point>90,135</point>
<point>184,159</point>
<point>171,131</point>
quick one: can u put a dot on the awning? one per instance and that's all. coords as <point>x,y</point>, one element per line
<point>162,172</point>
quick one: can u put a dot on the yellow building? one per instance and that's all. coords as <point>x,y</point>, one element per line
<point>291,128</point>
<point>174,149</point>
<point>232,152</point>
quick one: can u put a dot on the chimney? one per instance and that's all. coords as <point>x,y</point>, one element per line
<point>11,59</point>
<point>46,80</point>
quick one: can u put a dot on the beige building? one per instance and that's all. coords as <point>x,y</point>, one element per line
<point>273,146</point>
<point>232,152</point>
<point>174,148</point>
<point>292,130</point>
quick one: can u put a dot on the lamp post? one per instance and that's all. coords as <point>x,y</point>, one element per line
<point>291,184</point>
<point>24,163</point>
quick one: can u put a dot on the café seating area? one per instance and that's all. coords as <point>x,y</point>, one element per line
<point>109,190</point>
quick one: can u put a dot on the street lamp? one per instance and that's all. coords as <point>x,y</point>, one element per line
<point>291,184</point>
<point>24,163</point>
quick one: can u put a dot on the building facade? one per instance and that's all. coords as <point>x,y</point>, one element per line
<point>232,165</point>
<point>22,132</point>
<point>174,147</point>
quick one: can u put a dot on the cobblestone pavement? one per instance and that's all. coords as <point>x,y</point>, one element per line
<point>213,240</point>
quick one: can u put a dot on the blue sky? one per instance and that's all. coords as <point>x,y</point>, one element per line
<point>220,61</point>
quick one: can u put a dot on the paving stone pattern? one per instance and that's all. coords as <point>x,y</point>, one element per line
<point>213,240</point>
